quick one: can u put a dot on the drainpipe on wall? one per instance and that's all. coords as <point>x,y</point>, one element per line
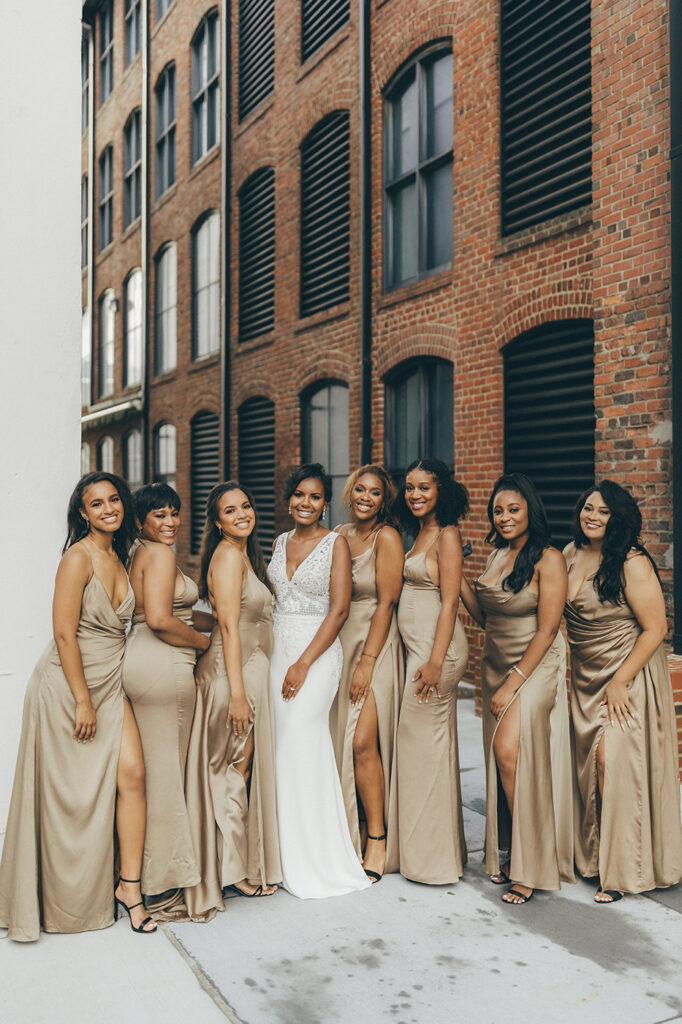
<point>90,288</point>
<point>365,233</point>
<point>675,57</point>
<point>144,240</point>
<point>225,227</point>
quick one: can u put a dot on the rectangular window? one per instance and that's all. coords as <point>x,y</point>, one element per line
<point>132,365</point>
<point>165,323</point>
<point>132,168</point>
<point>418,185</point>
<point>84,221</point>
<point>106,198</point>
<point>106,344</point>
<point>86,359</point>
<point>165,132</point>
<point>133,30</point>
<point>206,287</point>
<point>106,50</point>
<point>205,88</point>
<point>85,79</point>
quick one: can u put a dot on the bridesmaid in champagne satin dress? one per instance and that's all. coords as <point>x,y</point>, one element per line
<point>364,716</point>
<point>430,821</point>
<point>158,679</point>
<point>519,601</point>
<point>627,794</point>
<point>80,771</point>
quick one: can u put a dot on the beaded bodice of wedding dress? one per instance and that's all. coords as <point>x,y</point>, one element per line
<point>317,854</point>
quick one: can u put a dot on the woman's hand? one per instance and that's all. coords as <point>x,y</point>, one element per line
<point>427,678</point>
<point>240,715</point>
<point>618,703</point>
<point>294,680</point>
<point>362,680</point>
<point>86,721</point>
<point>502,698</point>
<point>203,643</point>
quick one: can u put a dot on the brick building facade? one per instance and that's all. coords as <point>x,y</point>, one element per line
<point>443,227</point>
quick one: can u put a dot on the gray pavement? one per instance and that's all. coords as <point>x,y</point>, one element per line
<point>400,952</point>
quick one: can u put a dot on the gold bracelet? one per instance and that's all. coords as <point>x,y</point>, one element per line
<point>366,655</point>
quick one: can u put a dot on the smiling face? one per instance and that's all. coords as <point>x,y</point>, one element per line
<point>307,502</point>
<point>594,515</point>
<point>421,492</point>
<point>102,507</point>
<point>366,497</point>
<point>236,516</point>
<point>510,515</point>
<point>161,525</point>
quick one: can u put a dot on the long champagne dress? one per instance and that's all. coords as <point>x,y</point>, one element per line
<point>57,869</point>
<point>638,845</point>
<point>430,822</point>
<point>540,836</point>
<point>318,856</point>
<point>158,679</point>
<point>387,688</point>
<point>234,833</point>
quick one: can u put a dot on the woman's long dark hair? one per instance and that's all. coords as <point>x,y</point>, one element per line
<point>452,502</point>
<point>77,528</point>
<point>212,537</point>
<point>539,532</point>
<point>620,537</point>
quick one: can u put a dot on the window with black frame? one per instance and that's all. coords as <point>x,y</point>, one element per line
<point>132,30</point>
<point>418,187</point>
<point>132,348</point>
<point>106,198</point>
<point>132,169</point>
<point>106,50</point>
<point>105,455</point>
<point>165,131</point>
<point>105,354</point>
<point>164,454</point>
<point>84,221</point>
<point>206,286</point>
<point>324,438</point>
<point>419,414</point>
<point>165,310</point>
<point>132,459</point>
<point>85,79</point>
<point>205,87</point>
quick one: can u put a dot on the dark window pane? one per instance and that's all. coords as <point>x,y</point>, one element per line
<point>438,184</point>
<point>405,129</point>
<point>403,205</point>
<point>439,106</point>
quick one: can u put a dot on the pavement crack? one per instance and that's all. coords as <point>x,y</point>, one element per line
<point>204,980</point>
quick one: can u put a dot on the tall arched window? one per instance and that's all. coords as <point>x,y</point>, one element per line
<point>164,453</point>
<point>132,459</point>
<point>418,120</point>
<point>549,418</point>
<point>206,286</point>
<point>256,454</point>
<point>204,470</point>
<point>165,131</point>
<point>132,349</point>
<point>419,414</point>
<point>165,310</point>
<point>105,454</point>
<point>324,438</point>
<point>107,312</point>
<point>205,87</point>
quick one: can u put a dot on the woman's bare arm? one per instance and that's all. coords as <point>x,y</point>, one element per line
<point>226,578</point>
<point>73,575</point>
<point>450,559</point>
<point>158,575</point>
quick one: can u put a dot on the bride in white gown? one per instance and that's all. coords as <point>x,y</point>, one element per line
<point>310,574</point>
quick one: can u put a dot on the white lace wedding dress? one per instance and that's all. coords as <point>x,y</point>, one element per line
<point>317,854</point>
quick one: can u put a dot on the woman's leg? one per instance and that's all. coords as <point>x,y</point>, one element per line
<point>600,896</point>
<point>369,781</point>
<point>131,816</point>
<point>506,750</point>
<point>244,766</point>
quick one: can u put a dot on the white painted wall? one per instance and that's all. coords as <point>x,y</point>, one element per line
<point>40,312</point>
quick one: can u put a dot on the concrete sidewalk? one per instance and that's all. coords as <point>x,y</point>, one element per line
<point>400,952</point>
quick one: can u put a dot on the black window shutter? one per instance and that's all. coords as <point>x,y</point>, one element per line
<point>546,110</point>
<point>320,19</point>
<point>256,449</point>
<point>325,214</point>
<point>549,419</point>
<point>256,53</point>
<point>204,470</point>
<point>257,254</point>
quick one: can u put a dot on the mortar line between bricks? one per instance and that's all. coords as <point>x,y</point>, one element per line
<point>203,978</point>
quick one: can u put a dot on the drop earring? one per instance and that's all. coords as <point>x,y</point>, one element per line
<point>324,514</point>
<point>289,510</point>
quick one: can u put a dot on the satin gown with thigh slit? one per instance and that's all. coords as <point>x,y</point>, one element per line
<point>57,869</point>
<point>636,843</point>
<point>540,834</point>
<point>158,679</point>
<point>386,690</point>
<point>430,821</point>
<point>318,856</point>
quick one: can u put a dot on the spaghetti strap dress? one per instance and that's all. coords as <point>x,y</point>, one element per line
<point>57,869</point>
<point>637,845</point>
<point>387,688</point>
<point>430,821</point>
<point>540,835</point>
<point>158,679</point>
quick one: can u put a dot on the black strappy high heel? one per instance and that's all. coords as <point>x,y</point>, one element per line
<point>374,874</point>
<point>117,902</point>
